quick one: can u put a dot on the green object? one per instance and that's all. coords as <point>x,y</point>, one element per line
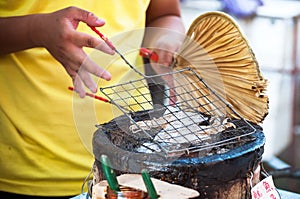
<point>149,185</point>
<point>109,173</point>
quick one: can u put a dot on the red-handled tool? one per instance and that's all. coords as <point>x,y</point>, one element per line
<point>101,99</point>
<point>92,95</point>
<point>146,53</point>
<point>105,39</point>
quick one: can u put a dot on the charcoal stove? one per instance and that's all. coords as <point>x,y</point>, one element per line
<point>199,140</point>
<point>218,163</point>
<point>213,173</point>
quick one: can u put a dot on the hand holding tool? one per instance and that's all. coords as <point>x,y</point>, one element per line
<point>146,53</point>
<point>105,39</point>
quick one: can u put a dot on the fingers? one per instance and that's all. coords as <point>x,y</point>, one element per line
<point>165,57</point>
<point>81,68</point>
<point>86,78</point>
<point>82,39</point>
<point>94,69</point>
<point>166,45</point>
<point>66,44</point>
<point>78,60</point>
<point>78,87</point>
<point>91,20</point>
<point>87,17</point>
<point>83,77</point>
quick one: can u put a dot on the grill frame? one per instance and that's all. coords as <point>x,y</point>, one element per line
<point>133,96</point>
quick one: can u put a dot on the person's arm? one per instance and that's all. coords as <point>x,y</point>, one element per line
<point>164,14</point>
<point>57,33</point>
<point>15,34</point>
<point>164,34</point>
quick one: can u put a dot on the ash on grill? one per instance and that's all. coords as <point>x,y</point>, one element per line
<point>176,130</point>
<point>199,121</point>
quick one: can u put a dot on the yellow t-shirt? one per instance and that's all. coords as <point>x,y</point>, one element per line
<point>45,129</point>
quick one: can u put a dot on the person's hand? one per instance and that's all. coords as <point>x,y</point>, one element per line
<point>165,47</point>
<point>57,33</point>
<point>164,35</point>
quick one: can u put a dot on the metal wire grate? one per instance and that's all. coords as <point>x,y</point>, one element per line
<point>189,120</point>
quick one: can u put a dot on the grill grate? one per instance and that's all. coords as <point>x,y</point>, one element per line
<point>189,121</point>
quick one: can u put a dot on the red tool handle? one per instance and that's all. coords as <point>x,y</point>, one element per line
<point>92,95</point>
<point>146,53</point>
<point>105,39</point>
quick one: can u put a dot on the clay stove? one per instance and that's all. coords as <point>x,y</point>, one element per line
<point>198,141</point>
<point>220,172</point>
<point>215,152</point>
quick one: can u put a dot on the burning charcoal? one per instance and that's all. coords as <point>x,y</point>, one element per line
<point>148,148</point>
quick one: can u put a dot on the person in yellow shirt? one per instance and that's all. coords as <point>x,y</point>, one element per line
<point>41,151</point>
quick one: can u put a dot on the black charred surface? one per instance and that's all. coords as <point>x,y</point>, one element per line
<point>117,130</point>
<point>203,171</point>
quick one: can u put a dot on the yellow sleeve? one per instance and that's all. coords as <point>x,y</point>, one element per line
<point>45,129</point>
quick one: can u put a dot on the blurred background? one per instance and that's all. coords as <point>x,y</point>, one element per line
<point>273,32</point>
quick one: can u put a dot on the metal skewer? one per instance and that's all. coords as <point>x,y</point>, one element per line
<point>101,99</point>
<point>105,39</point>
